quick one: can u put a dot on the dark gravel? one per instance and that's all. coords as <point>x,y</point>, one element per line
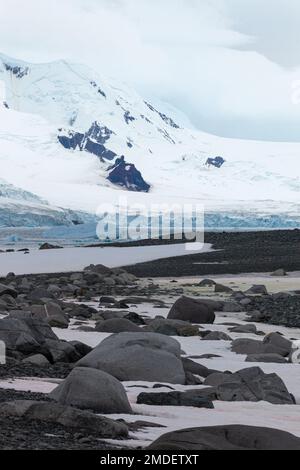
<point>11,395</point>
<point>267,309</point>
<point>241,252</point>
<point>24,434</point>
<point>55,371</point>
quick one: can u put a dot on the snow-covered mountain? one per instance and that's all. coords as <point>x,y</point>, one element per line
<point>63,127</point>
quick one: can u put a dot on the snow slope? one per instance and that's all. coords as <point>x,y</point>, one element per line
<point>258,178</point>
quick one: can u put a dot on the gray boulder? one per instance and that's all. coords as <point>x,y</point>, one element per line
<point>52,313</point>
<point>216,336</point>
<point>245,301</point>
<point>228,437</point>
<point>251,346</point>
<point>37,360</point>
<point>92,389</point>
<point>172,327</point>
<point>232,307</point>
<point>117,325</point>
<point>39,294</point>
<point>253,384</point>
<point>54,290</point>
<point>279,273</point>
<point>257,290</point>
<point>65,416</point>
<point>61,351</point>
<point>138,356</point>
<point>99,269</point>
<point>195,368</point>
<point>7,290</point>
<point>207,283</point>
<point>244,329</point>
<point>21,332</point>
<point>135,318</point>
<point>267,358</point>
<point>195,310</point>
<point>220,289</point>
<point>216,379</point>
<point>188,398</point>
<point>278,341</point>
<point>82,348</point>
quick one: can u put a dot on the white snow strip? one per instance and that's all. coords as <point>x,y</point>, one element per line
<point>29,385</point>
<point>76,259</point>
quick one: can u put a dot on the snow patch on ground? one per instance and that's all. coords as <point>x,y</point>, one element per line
<point>75,259</point>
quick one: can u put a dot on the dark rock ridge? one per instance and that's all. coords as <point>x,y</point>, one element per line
<point>99,90</point>
<point>91,141</point>
<point>121,173</point>
<point>16,70</point>
<point>165,118</point>
<point>128,117</point>
<point>217,162</point>
<point>126,175</point>
<point>232,437</point>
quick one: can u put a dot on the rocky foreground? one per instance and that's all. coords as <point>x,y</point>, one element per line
<point>94,357</point>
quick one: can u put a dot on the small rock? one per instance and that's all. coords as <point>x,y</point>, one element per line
<point>257,290</point>
<point>279,273</point>
<point>37,359</point>
<point>92,389</point>
<point>188,398</point>
<point>216,336</point>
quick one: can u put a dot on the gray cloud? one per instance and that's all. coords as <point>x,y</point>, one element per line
<point>274,24</point>
<point>225,63</point>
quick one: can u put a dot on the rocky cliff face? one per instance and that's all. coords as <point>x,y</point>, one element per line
<point>126,175</point>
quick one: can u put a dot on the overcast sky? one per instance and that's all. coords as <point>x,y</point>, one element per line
<point>230,65</point>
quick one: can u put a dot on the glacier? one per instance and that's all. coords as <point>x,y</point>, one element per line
<point>45,183</point>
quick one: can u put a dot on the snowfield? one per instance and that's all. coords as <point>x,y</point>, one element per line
<point>257,178</point>
<point>76,259</point>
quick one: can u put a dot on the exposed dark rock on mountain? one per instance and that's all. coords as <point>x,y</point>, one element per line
<point>126,175</point>
<point>165,118</point>
<point>91,141</point>
<point>18,71</point>
<point>217,162</point>
<point>101,92</point>
<point>116,325</point>
<point>71,139</point>
<point>128,117</point>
